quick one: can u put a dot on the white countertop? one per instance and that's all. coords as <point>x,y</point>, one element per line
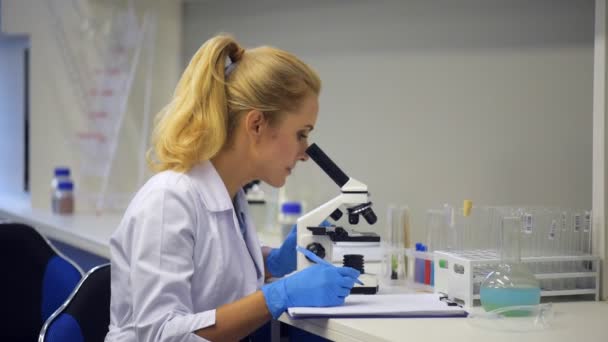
<point>88,232</point>
<point>575,321</point>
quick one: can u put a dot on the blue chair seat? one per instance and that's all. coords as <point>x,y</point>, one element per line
<point>36,280</point>
<point>85,316</point>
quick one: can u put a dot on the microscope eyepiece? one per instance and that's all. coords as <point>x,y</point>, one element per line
<point>327,165</point>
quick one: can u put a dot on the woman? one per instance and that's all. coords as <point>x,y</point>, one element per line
<point>186,261</point>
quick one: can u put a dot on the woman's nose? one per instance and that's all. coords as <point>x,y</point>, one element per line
<point>303,155</point>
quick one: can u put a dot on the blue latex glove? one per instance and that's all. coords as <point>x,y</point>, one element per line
<point>317,285</point>
<point>282,261</point>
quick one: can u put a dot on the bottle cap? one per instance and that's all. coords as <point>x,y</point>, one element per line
<point>466,207</point>
<point>291,208</point>
<point>65,186</point>
<point>62,171</point>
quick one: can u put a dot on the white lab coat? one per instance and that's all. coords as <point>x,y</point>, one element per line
<point>178,254</point>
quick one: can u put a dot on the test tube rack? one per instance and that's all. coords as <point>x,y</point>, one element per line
<point>459,274</point>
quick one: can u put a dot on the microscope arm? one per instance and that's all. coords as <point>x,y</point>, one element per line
<point>316,216</point>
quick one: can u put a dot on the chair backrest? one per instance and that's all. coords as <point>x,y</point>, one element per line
<point>85,316</point>
<point>36,280</point>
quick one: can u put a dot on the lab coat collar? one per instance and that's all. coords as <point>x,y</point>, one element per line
<point>251,236</point>
<point>216,198</point>
<point>215,195</point>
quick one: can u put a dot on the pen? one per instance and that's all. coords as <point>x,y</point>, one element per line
<point>312,256</point>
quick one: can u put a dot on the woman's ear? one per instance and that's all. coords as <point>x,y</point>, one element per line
<point>255,123</point>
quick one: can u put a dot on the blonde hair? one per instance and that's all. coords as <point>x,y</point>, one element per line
<point>209,99</point>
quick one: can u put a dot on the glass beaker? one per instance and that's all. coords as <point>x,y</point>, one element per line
<point>511,283</point>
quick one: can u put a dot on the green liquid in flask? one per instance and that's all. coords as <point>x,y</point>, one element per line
<point>510,283</point>
<point>494,298</point>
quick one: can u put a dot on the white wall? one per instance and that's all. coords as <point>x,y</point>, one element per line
<point>55,115</point>
<point>12,118</point>
<point>436,101</point>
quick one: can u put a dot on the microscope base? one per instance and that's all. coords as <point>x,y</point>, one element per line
<point>370,287</point>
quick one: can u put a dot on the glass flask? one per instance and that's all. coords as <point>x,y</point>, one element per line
<point>511,283</point>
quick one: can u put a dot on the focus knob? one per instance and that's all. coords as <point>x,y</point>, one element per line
<point>317,249</point>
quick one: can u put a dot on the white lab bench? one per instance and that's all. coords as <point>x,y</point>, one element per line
<point>587,321</point>
<point>88,232</point>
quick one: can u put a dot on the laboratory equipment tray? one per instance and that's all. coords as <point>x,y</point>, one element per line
<point>460,274</point>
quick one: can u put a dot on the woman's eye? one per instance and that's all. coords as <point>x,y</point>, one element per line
<point>302,136</point>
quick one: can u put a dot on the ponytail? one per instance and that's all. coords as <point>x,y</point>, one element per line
<point>209,99</point>
<point>192,127</point>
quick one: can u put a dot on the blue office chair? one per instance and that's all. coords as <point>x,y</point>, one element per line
<point>85,316</point>
<point>36,280</point>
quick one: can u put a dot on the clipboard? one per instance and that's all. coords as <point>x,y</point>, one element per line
<point>384,306</point>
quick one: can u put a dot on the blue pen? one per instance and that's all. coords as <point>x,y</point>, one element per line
<point>312,256</point>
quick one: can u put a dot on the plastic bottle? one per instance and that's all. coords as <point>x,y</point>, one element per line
<point>419,265</point>
<point>61,173</point>
<point>290,212</point>
<point>63,198</point>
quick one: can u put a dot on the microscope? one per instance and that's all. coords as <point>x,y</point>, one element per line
<point>320,239</point>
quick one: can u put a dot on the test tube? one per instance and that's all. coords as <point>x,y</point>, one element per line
<point>528,230</point>
<point>393,263</point>
<point>586,234</point>
<point>485,224</point>
<point>566,250</point>
<point>404,227</point>
<point>450,224</point>
<point>553,238</point>
<point>388,245</point>
<point>587,248</point>
<point>435,240</point>
<point>543,231</point>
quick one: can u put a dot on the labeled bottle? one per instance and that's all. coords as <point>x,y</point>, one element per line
<point>61,173</point>
<point>290,212</point>
<point>63,198</point>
